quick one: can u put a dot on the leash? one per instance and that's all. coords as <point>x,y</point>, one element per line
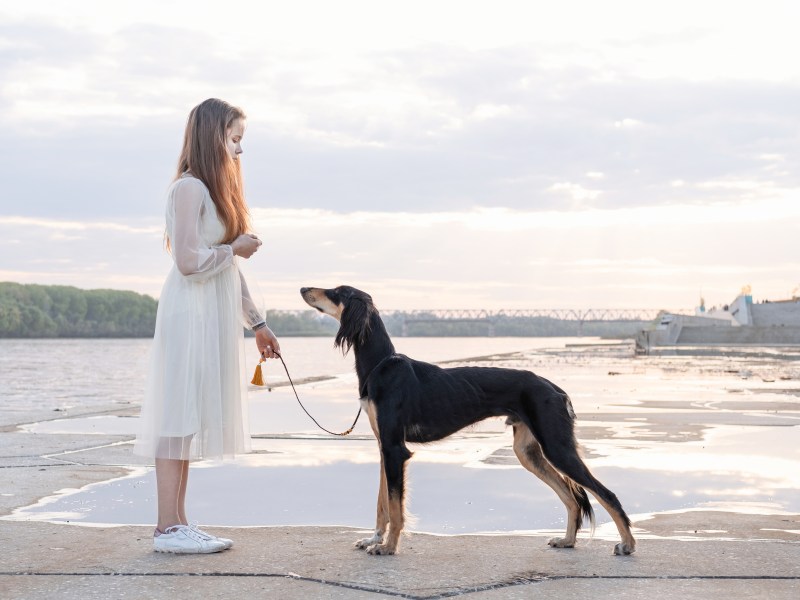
<point>344,433</point>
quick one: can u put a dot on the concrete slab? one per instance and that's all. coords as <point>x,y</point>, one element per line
<point>646,589</point>
<point>428,566</point>
<point>184,587</point>
<point>23,486</point>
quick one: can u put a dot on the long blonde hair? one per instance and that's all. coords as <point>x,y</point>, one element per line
<point>206,157</point>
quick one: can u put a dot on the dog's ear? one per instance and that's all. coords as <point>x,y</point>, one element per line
<point>354,324</point>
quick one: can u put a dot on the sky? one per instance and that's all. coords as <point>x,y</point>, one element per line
<point>437,154</point>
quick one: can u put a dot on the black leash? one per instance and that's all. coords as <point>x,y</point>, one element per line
<point>348,432</point>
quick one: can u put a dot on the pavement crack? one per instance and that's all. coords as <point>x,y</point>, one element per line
<point>395,593</point>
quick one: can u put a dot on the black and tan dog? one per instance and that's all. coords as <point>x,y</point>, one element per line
<point>412,401</point>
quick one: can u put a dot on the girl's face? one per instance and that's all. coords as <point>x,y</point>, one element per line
<point>233,138</point>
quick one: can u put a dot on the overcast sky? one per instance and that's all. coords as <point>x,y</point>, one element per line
<point>436,154</point>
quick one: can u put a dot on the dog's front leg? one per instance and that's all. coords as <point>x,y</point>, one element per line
<point>394,461</point>
<point>382,519</point>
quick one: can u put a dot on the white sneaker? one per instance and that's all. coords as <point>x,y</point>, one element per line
<point>228,543</point>
<point>182,539</point>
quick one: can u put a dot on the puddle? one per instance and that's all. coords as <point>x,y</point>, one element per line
<point>467,484</point>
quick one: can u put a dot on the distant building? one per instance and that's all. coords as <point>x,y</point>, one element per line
<point>742,322</point>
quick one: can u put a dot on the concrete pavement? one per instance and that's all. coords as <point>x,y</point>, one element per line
<point>692,554</point>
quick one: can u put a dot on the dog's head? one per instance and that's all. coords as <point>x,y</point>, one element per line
<point>351,307</point>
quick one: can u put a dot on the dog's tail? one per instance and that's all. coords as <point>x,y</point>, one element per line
<point>569,449</point>
<point>582,498</point>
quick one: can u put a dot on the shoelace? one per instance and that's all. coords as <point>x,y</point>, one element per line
<point>189,531</point>
<point>194,527</point>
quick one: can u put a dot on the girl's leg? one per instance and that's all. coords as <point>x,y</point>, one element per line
<point>169,481</point>
<point>182,493</point>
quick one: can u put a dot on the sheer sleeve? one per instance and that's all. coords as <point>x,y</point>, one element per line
<point>194,258</point>
<point>251,316</point>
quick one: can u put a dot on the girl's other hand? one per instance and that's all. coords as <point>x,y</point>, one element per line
<point>245,245</point>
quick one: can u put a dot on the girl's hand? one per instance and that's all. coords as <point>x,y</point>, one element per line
<point>245,245</point>
<point>267,343</point>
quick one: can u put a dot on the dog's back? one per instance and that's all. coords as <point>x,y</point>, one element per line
<point>433,402</point>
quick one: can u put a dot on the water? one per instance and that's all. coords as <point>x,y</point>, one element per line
<point>80,373</point>
<point>709,429</point>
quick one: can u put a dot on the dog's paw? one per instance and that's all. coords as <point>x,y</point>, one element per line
<point>367,542</point>
<point>561,543</point>
<point>380,550</point>
<point>623,549</point>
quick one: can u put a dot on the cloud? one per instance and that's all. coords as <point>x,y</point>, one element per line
<point>83,226</point>
<point>410,126</point>
<point>645,257</point>
<point>575,192</point>
<point>627,257</point>
<point>491,156</point>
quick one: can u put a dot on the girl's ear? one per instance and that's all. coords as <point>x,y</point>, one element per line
<point>354,325</point>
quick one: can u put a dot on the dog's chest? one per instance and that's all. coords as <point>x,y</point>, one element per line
<point>368,406</point>
<point>414,432</point>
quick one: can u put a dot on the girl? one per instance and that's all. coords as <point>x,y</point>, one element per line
<point>195,402</point>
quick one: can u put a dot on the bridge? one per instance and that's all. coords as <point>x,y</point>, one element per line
<point>562,314</point>
<point>580,316</point>
<point>491,317</point>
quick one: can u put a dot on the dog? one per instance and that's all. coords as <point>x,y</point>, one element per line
<point>412,401</point>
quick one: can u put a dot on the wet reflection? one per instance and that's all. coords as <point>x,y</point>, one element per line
<point>468,484</point>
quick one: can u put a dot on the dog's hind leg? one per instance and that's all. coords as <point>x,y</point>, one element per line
<point>382,519</point>
<point>560,449</point>
<point>529,453</point>
<point>608,500</point>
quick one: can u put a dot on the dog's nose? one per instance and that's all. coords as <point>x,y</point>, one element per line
<point>303,290</point>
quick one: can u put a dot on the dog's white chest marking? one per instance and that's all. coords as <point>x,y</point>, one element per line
<point>369,407</point>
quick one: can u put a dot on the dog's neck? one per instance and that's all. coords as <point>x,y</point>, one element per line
<point>375,347</point>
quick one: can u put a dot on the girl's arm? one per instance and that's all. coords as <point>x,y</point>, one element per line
<point>251,316</point>
<point>193,257</point>
<point>266,341</point>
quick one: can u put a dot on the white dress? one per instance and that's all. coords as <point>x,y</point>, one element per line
<point>195,404</point>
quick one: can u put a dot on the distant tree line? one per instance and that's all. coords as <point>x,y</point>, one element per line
<point>30,311</point>
<point>308,323</point>
<point>34,311</point>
